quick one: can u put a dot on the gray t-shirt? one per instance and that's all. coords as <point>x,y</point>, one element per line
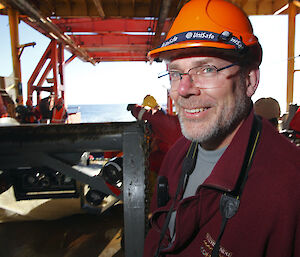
<point>206,161</point>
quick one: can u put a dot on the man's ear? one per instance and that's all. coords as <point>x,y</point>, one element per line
<point>252,80</point>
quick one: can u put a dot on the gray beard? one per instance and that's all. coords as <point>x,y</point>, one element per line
<point>224,126</point>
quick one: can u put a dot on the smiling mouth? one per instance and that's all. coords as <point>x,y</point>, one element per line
<point>192,111</point>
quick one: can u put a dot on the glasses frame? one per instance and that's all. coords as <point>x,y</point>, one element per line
<point>188,72</point>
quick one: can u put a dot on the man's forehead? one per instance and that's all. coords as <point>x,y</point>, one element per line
<point>196,61</point>
<point>228,55</point>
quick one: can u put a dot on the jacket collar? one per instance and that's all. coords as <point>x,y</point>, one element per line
<point>226,172</point>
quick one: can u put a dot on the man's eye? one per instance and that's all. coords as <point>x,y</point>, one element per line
<point>203,70</point>
<point>208,69</point>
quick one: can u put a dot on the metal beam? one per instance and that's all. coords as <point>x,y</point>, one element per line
<point>134,192</point>
<point>56,56</point>
<point>61,69</point>
<point>110,40</point>
<point>121,59</point>
<point>97,25</point>
<point>108,56</point>
<point>115,49</point>
<point>291,53</point>
<point>54,60</point>
<point>163,15</point>
<point>118,54</point>
<point>14,40</point>
<point>47,25</point>
<point>99,7</point>
<point>62,138</point>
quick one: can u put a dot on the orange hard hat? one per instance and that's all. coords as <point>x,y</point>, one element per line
<point>211,24</point>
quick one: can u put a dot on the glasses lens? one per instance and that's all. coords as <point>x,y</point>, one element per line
<point>198,76</point>
<point>174,75</point>
<point>199,73</point>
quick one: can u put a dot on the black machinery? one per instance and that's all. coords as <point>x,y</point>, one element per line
<point>45,161</point>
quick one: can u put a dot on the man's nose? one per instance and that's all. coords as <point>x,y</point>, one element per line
<point>187,87</point>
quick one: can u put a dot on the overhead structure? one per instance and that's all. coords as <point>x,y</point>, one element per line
<point>125,30</point>
<point>106,30</point>
<point>97,30</point>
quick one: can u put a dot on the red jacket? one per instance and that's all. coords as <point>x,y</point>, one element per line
<point>267,223</point>
<point>166,130</point>
<point>165,126</point>
<point>295,122</point>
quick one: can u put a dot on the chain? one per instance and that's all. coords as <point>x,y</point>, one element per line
<point>146,148</point>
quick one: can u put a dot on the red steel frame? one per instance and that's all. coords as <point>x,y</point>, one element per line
<point>169,104</point>
<point>54,53</point>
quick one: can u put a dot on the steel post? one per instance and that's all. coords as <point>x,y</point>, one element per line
<point>134,191</point>
<point>14,39</point>
<point>291,53</point>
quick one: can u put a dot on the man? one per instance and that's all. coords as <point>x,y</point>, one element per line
<point>233,180</point>
<point>59,112</point>
<point>165,129</point>
<point>269,109</point>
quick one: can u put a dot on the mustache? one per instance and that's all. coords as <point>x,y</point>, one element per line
<point>193,102</point>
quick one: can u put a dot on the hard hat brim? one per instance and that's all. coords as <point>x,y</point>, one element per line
<point>167,52</point>
<point>217,49</point>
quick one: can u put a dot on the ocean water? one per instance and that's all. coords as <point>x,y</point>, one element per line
<point>94,113</point>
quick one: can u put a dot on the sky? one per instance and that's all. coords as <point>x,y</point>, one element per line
<point>129,82</point>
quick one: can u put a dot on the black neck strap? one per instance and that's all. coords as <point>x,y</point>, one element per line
<point>188,166</point>
<point>229,203</point>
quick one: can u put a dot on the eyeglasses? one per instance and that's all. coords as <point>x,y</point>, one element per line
<point>196,73</point>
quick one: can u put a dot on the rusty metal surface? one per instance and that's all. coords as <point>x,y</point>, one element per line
<point>72,132</point>
<point>63,137</point>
